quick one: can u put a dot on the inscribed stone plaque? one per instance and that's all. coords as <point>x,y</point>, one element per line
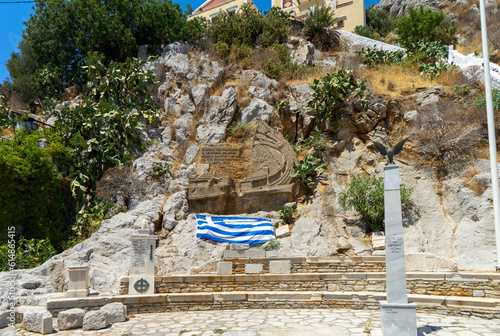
<point>394,245</point>
<point>220,154</point>
<point>142,258</point>
<point>391,178</point>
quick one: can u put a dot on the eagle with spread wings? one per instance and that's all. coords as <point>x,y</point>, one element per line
<point>389,152</point>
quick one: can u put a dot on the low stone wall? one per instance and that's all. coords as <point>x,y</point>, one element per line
<point>445,284</point>
<point>137,304</point>
<point>309,265</point>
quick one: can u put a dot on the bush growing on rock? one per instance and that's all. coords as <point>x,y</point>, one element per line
<point>317,28</point>
<point>427,25</point>
<point>365,195</point>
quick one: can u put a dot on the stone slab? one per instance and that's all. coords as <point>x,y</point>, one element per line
<point>255,254</point>
<point>254,268</point>
<point>283,231</point>
<point>70,319</point>
<point>224,267</point>
<point>230,254</point>
<point>398,319</point>
<point>139,285</point>
<point>378,240</point>
<point>280,267</point>
<point>142,256</point>
<point>271,254</point>
<point>237,246</point>
<point>38,321</point>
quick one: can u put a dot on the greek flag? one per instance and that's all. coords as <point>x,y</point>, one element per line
<point>234,229</point>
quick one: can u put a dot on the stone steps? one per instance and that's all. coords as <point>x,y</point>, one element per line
<point>450,305</point>
<point>418,283</point>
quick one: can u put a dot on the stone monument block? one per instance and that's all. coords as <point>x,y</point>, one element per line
<point>78,285</point>
<point>280,267</point>
<point>250,175</point>
<point>254,268</point>
<point>38,321</point>
<point>271,254</point>
<point>117,312</point>
<point>224,267</point>
<point>95,320</point>
<point>142,263</point>
<point>70,319</point>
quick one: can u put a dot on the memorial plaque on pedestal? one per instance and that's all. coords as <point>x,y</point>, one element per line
<point>142,262</point>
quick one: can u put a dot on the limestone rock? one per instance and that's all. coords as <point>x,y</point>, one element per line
<point>301,51</point>
<point>378,240</point>
<point>199,93</point>
<point>175,209</point>
<point>429,96</point>
<point>38,321</point>
<point>95,320</point>
<point>400,8</point>
<point>191,153</point>
<point>308,238</point>
<point>283,231</point>
<point>117,312</point>
<point>70,319</point>
<point>257,108</point>
<point>219,114</point>
<point>10,333</point>
<point>5,318</point>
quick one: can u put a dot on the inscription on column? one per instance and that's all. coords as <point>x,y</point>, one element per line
<point>138,252</point>
<point>395,244</point>
<point>220,154</point>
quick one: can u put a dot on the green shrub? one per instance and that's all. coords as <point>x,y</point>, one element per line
<point>374,56</point>
<point>317,28</point>
<point>28,253</point>
<point>380,21</point>
<point>276,27</point>
<point>365,194</point>
<point>331,91</point>
<point>425,25</point>
<point>426,52</point>
<point>288,214</point>
<point>481,101</point>
<point>365,31</point>
<point>307,169</point>
<point>433,70</point>
<point>35,197</point>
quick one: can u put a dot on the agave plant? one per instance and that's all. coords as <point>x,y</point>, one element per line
<point>318,28</point>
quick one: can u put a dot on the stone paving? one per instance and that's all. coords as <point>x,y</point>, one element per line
<point>284,322</point>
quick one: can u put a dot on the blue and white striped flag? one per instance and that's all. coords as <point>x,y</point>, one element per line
<point>234,229</point>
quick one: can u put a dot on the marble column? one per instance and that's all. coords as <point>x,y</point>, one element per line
<point>398,316</point>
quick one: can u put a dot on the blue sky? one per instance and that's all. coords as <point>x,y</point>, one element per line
<point>12,17</point>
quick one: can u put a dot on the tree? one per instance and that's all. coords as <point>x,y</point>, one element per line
<point>61,32</point>
<point>425,25</point>
<point>379,23</point>
<point>365,194</point>
<point>318,28</point>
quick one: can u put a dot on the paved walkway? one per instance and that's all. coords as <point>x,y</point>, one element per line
<point>284,322</point>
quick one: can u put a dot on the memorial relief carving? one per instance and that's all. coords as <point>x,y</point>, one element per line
<point>247,174</point>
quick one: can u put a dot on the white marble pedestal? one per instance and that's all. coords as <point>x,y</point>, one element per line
<point>398,319</point>
<point>78,285</point>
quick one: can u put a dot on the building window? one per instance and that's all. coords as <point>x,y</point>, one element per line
<point>286,4</point>
<point>214,17</point>
<point>231,10</point>
<point>340,24</point>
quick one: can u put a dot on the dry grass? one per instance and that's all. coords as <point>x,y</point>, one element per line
<point>470,182</point>
<point>6,131</point>
<point>241,86</point>
<point>392,81</point>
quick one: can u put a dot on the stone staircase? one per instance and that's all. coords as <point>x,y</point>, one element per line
<point>337,282</point>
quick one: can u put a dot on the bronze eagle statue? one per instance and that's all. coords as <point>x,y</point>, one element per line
<point>389,152</point>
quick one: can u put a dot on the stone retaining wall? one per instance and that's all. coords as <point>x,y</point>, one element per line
<point>306,265</point>
<point>445,284</point>
<point>485,308</point>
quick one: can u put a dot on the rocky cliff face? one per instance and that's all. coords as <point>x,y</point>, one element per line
<point>201,98</point>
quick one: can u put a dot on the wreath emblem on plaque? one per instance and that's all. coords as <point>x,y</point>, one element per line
<point>141,285</point>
